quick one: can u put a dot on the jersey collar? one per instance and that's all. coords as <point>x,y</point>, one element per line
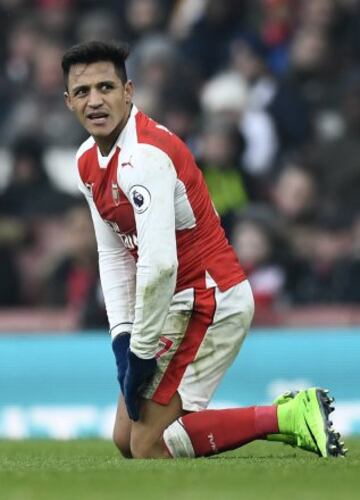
<point>127,136</point>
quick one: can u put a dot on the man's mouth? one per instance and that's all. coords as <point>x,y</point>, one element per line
<point>97,117</point>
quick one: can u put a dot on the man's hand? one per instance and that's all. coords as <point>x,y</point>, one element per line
<point>139,372</point>
<point>120,346</point>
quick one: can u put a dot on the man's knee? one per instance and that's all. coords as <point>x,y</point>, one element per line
<point>140,450</point>
<point>147,435</point>
<point>143,447</point>
<point>122,442</point>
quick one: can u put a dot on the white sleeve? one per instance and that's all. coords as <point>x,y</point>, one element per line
<point>117,272</point>
<point>149,183</point>
<point>261,141</point>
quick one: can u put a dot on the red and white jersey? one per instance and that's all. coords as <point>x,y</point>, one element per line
<point>156,228</point>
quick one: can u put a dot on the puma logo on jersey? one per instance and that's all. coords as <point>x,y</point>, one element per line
<point>127,163</point>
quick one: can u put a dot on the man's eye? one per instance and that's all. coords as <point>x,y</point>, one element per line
<point>106,86</point>
<point>80,92</point>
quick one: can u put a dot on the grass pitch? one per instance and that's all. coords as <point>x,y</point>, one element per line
<point>92,470</point>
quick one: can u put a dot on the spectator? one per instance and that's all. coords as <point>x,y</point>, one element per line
<point>326,277</point>
<point>30,193</point>
<point>21,48</point>
<point>276,27</point>
<point>19,51</point>
<point>97,24</point>
<point>55,17</point>
<point>72,279</point>
<point>314,76</point>
<point>337,160</point>
<point>143,18</point>
<point>181,114</point>
<point>207,42</point>
<point>278,100</point>
<point>319,15</point>
<point>226,95</point>
<point>294,192</point>
<point>9,278</point>
<point>220,150</point>
<point>154,61</point>
<point>261,249</point>
<point>43,98</point>
<point>162,77</point>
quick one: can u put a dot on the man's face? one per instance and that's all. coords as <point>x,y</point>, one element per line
<point>99,99</point>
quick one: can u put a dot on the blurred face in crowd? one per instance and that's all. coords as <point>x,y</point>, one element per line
<point>217,148</point>
<point>180,121</point>
<point>331,245</point>
<point>143,15</point>
<point>251,244</point>
<point>79,236</point>
<point>25,171</point>
<point>157,72</point>
<point>309,50</point>
<point>23,41</point>
<point>319,14</point>
<point>100,101</point>
<point>294,192</point>
<point>246,61</point>
<point>47,72</point>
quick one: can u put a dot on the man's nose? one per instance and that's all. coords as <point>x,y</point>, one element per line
<point>95,98</point>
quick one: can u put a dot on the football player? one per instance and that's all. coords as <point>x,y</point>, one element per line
<point>178,302</point>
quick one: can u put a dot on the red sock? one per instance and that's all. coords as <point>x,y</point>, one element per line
<point>214,431</point>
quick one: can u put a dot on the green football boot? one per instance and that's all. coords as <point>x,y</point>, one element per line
<point>305,418</point>
<point>283,438</point>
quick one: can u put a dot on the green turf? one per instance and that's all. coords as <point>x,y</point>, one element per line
<point>92,470</point>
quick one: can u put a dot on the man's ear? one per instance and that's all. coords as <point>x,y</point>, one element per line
<point>68,101</point>
<point>129,91</point>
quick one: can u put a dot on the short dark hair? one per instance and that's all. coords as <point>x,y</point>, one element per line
<point>95,51</point>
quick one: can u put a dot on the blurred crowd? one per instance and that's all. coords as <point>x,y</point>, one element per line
<point>266,93</point>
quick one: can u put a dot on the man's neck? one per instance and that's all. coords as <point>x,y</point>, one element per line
<point>105,146</point>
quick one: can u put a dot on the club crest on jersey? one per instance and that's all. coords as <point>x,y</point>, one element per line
<point>140,198</point>
<point>115,194</point>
